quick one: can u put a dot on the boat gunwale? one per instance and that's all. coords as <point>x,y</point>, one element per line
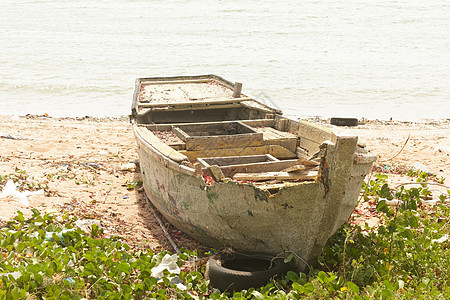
<point>161,157</point>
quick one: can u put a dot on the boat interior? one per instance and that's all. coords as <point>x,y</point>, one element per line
<point>231,138</point>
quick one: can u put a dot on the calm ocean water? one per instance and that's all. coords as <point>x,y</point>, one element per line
<point>355,58</point>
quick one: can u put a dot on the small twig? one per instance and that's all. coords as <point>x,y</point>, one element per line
<point>398,151</point>
<point>13,137</point>
<point>107,194</point>
<point>166,233</point>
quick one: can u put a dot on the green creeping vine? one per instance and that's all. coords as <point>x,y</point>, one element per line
<point>406,256</point>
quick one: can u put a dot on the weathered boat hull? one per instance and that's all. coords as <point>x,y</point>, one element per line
<point>209,120</point>
<point>297,218</point>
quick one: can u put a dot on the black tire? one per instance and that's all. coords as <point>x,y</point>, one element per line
<point>241,271</point>
<point>344,121</point>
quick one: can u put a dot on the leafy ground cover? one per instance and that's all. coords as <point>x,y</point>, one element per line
<point>407,256</point>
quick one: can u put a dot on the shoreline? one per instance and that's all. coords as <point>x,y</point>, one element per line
<point>313,119</point>
<point>89,167</point>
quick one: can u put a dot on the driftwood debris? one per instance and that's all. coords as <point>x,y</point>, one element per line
<point>294,168</point>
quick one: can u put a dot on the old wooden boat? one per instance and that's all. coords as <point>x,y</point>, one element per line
<point>231,171</point>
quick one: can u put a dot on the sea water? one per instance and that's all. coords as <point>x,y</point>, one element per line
<point>337,58</point>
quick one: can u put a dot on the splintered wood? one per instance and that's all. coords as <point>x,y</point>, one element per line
<point>295,168</point>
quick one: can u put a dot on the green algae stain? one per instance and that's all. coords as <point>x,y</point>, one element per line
<point>211,196</point>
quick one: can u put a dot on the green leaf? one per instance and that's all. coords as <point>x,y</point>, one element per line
<point>388,285</point>
<point>298,287</point>
<point>385,192</point>
<point>39,279</point>
<point>20,217</point>
<point>124,267</point>
<point>387,294</point>
<point>289,258</point>
<point>309,287</point>
<point>257,295</point>
<point>322,276</point>
<point>382,206</point>
<point>292,276</point>
<point>353,287</point>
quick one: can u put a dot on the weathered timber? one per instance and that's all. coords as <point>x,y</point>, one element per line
<point>278,165</point>
<point>260,122</point>
<point>272,136</point>
<point>294,168</point>
<point>176,81</point>
<point>235,160</point>
<point>217,135</point>
<point>275,150</point>
<point>312,136</point>
<point>164,149</point>
<point>223,142</point>
<point>209,102</point>
<point>237,90</point>
<point>308,162</point>
<point>249,123</point>
<point>275,175</point>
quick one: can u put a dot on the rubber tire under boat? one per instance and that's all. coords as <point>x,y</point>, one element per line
<point>239,271</point>
<point>344,121</point>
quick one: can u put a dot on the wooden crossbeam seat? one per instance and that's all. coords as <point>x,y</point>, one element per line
<point>241,150</point>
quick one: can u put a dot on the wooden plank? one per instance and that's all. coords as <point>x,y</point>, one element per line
<point>291,145</point>
<point>280,152</point>
<point>275,150</point>
<point>294,168</point>
<point>275,176</point>
<point>271,157</point>
<point>309,162</point>
<point>274,166</point>
<point>236,160</point>
<point>203,163</point>
<point>191,107</point>
<point>211,101</point>
<point>301,152</point>
<point>312,136</point>
<point>259,122</point>
<point>310,146</point>
<point>180,133</point>
<point>224,141</point>
<point>250,123</point>
<point>164,149</point>
<point>272,136</point>
<point>143,83</point>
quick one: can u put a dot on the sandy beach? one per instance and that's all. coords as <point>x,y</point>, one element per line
<point>88,167</point>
